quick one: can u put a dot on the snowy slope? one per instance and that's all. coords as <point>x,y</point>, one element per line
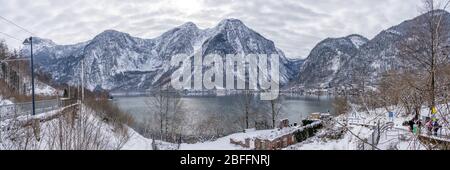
<point>398,137</point>
<point>4,101</point>
<point>327,58</point>
<point>107,135</point>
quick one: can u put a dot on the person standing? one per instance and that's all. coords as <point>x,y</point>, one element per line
<point>391,116</point>
<point>429,126</point>
<point>411,125</point>
<point>435,128</point>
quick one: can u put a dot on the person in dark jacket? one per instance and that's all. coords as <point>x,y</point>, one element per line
<point>436,127</point>
<point>411,125</point>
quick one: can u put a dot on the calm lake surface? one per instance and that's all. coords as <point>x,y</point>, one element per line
<point>295,108</point>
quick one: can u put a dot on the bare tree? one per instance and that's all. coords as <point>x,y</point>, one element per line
<point>211,126</point>
<point>427,48</point>
<point>76,131</point>
<point>245,104</point>
<point>3,50</point>
<point>68,130</point>
<point>167,108</point>
<point>276,107</point>
<point>158,103</point>
<point>15,136</point>
<point>341,105</point>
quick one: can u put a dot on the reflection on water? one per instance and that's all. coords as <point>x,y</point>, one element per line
<point>295,108</point>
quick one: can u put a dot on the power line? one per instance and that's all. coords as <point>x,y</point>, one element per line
<point>10,36</point>
<point>9,21</point>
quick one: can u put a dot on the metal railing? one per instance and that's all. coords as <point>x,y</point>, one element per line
<point>21,109</point>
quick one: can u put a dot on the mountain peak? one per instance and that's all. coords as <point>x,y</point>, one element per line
<point>231,22</point>
<point>356,36</point>
<point>425,16</point>
<point>439,12</point>
<point>358,40</point>
<point>112,32</point>
<point>189,25</point>
<point>43,41</point>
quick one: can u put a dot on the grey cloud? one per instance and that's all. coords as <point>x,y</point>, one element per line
<point>294,25</point>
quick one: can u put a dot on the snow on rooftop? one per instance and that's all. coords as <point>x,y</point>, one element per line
<point>285,131</point>
<point>224,143</point>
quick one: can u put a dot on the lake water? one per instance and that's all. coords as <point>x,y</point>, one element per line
<point>196,109</point>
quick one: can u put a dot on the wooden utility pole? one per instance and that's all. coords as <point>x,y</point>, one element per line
<point>82,80</point>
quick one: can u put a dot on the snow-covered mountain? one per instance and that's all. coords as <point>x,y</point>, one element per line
<point>294,65</point>
<point>335,62</point>
<point>327,58</point>
<point>118,61</point>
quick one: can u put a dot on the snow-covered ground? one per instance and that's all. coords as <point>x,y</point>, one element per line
<point>362,125</point>
<point>5,101</point>
<point>348,142</point>
<point>354,130</point>
<point>138,142</point>
<point>224,143</point>
<point>109,136</point>
<point>391,140</point>
<point>45,90</point>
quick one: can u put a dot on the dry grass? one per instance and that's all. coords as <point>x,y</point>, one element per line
<point>108,111</point>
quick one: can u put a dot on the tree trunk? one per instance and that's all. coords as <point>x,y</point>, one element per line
<point>246,117</point>
<point>273,113</point>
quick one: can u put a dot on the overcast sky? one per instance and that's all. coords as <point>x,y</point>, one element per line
<point>294,25</point>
